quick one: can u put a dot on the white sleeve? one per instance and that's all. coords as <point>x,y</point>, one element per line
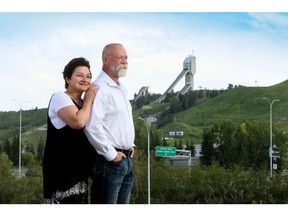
<point>95,130</point>
<point>58,101</point>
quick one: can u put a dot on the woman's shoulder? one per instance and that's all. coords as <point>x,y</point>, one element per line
<point>60,99</point>
<point>59,94</point>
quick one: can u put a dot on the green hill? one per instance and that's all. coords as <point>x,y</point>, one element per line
<point>31,120</point>
<point>239,104</point>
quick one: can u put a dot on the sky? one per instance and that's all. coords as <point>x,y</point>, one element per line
<point>240,48</point>
<point>235,42</point>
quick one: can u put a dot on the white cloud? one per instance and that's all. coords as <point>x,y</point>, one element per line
<point>237,52</point>
<point>275,24</point>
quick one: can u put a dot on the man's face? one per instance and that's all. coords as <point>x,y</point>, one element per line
<point>119,70</point>
<point>118,61</point>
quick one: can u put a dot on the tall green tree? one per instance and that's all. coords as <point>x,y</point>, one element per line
<point>6,179</point>
<point>14,155</point>
<point>7,146</point>
<point>208,151</point>
<point>40,150</point>
<point>257,144</point>
<point>227,144</point>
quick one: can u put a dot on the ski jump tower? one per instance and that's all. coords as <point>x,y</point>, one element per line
<point>189,70</point>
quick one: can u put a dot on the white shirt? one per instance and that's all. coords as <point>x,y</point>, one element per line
<point>58,101</point>
<point>111,123</point>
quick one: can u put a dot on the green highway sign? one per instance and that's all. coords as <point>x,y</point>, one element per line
<point>164,151</point>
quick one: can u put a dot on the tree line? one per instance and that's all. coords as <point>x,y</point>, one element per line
<point>246,145</point>
<point>235,170</point>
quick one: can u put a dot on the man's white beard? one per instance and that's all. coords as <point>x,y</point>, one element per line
<point>122,72</point>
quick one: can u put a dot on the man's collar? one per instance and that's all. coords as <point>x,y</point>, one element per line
<point>108,79</point>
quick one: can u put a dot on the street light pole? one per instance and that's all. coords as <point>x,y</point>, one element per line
<point>270,150</point>
<point>20,132</point>
<point>148,155</point>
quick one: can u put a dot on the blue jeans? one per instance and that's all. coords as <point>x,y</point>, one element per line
<point>112,182</point>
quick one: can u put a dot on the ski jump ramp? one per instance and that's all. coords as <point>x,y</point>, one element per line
<point>189,70</point>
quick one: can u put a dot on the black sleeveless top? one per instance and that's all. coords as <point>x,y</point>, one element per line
<point>68,158</point>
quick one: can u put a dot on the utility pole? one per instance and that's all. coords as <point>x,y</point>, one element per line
<point>148,155</point>
<point>20,133</point>
<point>271,141</point>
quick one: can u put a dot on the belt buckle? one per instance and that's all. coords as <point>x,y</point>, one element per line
<point>124,151</point>
<point>127,152</point>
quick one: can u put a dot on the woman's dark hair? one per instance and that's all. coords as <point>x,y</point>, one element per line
<point>70,67</point>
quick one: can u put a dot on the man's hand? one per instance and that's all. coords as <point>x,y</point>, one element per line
<point>132,152</point>
<point>119,156</point>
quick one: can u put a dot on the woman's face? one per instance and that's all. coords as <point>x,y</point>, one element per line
<point>80,80</point>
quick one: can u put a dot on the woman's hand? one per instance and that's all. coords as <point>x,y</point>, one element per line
<point>90,93</point>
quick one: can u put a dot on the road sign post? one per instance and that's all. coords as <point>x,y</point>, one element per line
<point>275,153</point>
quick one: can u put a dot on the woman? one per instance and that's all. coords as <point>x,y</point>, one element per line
<point>68,155</point>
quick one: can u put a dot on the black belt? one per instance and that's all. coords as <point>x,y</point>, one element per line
<point>126,152</point>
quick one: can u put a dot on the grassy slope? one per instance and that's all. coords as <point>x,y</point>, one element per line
<point>239,105</point>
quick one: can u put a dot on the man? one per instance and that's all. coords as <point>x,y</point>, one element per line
<point>111,132</point>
